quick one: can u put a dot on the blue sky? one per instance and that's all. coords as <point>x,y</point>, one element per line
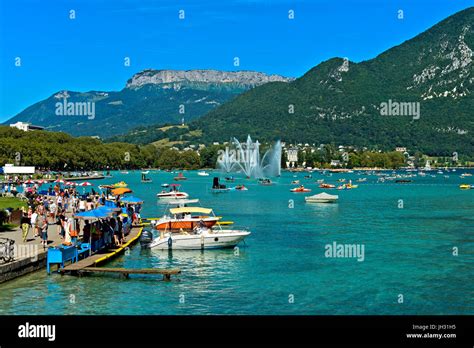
<point>88,52</point>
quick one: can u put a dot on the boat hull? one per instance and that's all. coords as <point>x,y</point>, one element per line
<point>172,195</point>
<point>220,240</point>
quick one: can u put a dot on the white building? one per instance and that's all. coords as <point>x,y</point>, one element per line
<point>12,169</point>
<point>25,126</point>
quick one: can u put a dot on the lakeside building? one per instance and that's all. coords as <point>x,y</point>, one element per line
<point>24,126</point>
<point>10,169</point>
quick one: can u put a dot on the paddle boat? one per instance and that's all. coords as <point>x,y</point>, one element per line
<point>348,186</point>
<point>327,186</point>
<point>265,182</point>
<point>322,198</point>
<point>180,177</point>
<point>120,184</point>
<point>403,181</point>
<point>465,187</point>
<point>300,189</point>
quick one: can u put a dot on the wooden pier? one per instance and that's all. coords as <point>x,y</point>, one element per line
<point>89,264</point>
<point>167,273</point>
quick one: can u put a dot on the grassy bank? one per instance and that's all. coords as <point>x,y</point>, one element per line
<point>11,202</point>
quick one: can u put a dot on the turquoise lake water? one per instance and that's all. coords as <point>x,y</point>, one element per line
<point>282,268</point>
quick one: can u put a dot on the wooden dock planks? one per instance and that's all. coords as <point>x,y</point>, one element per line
<point>100,257</point>
<point>167,273</point>
<point>88,264</point>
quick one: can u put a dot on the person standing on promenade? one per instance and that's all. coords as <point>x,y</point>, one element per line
<point>82,205</point>
<point>52,210</point>
<point>25,224</point>
<point>34,218</point>
<point>43,225</point>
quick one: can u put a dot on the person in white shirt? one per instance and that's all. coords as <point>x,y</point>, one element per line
<point>52,211</point>
<point>34,218</point>
<point>82,205</point>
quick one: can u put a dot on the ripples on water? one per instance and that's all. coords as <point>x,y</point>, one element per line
<point>407,251</point>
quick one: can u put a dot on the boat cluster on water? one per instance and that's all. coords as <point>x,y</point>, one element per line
<point>186,225</point>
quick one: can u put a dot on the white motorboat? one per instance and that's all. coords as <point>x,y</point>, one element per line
<point>172,195</point>
<point>203,173</point>
<point>322,198</point>
<point>200,238</point>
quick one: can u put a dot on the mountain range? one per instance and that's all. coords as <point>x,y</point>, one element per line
<point>368,103</point>
<point>417,95</point>
<point>149,97</point>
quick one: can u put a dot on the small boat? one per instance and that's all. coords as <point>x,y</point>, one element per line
<point>347,187</point>
<point>320,181</point>
<point>229,179</point>
<point>123,172</point>
<point>165,185</point>
<point>240,188</point>
<point>120,184</point>
<point>185,231</point>
<point>465,187</point>
<point>309,176</point>
<point>217,187</point>
<point>203,173</point>
<point>265,182</point>
<point>145,179</point>
<point>180,177</point>
<point>463,175</point>
<point>173,193</point>
<point>322,198</point>
<point>341,180</point>
<point>198,239</point>
<point>295,182</point>
<point>327,186</point>
<point>362,180</point>
<point>403,181</point>
<point>300,189</point>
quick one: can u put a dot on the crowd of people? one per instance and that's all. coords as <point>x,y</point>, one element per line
<point>58,206</point>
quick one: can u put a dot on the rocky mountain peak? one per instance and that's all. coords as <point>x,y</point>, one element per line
<point>244,78</point>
